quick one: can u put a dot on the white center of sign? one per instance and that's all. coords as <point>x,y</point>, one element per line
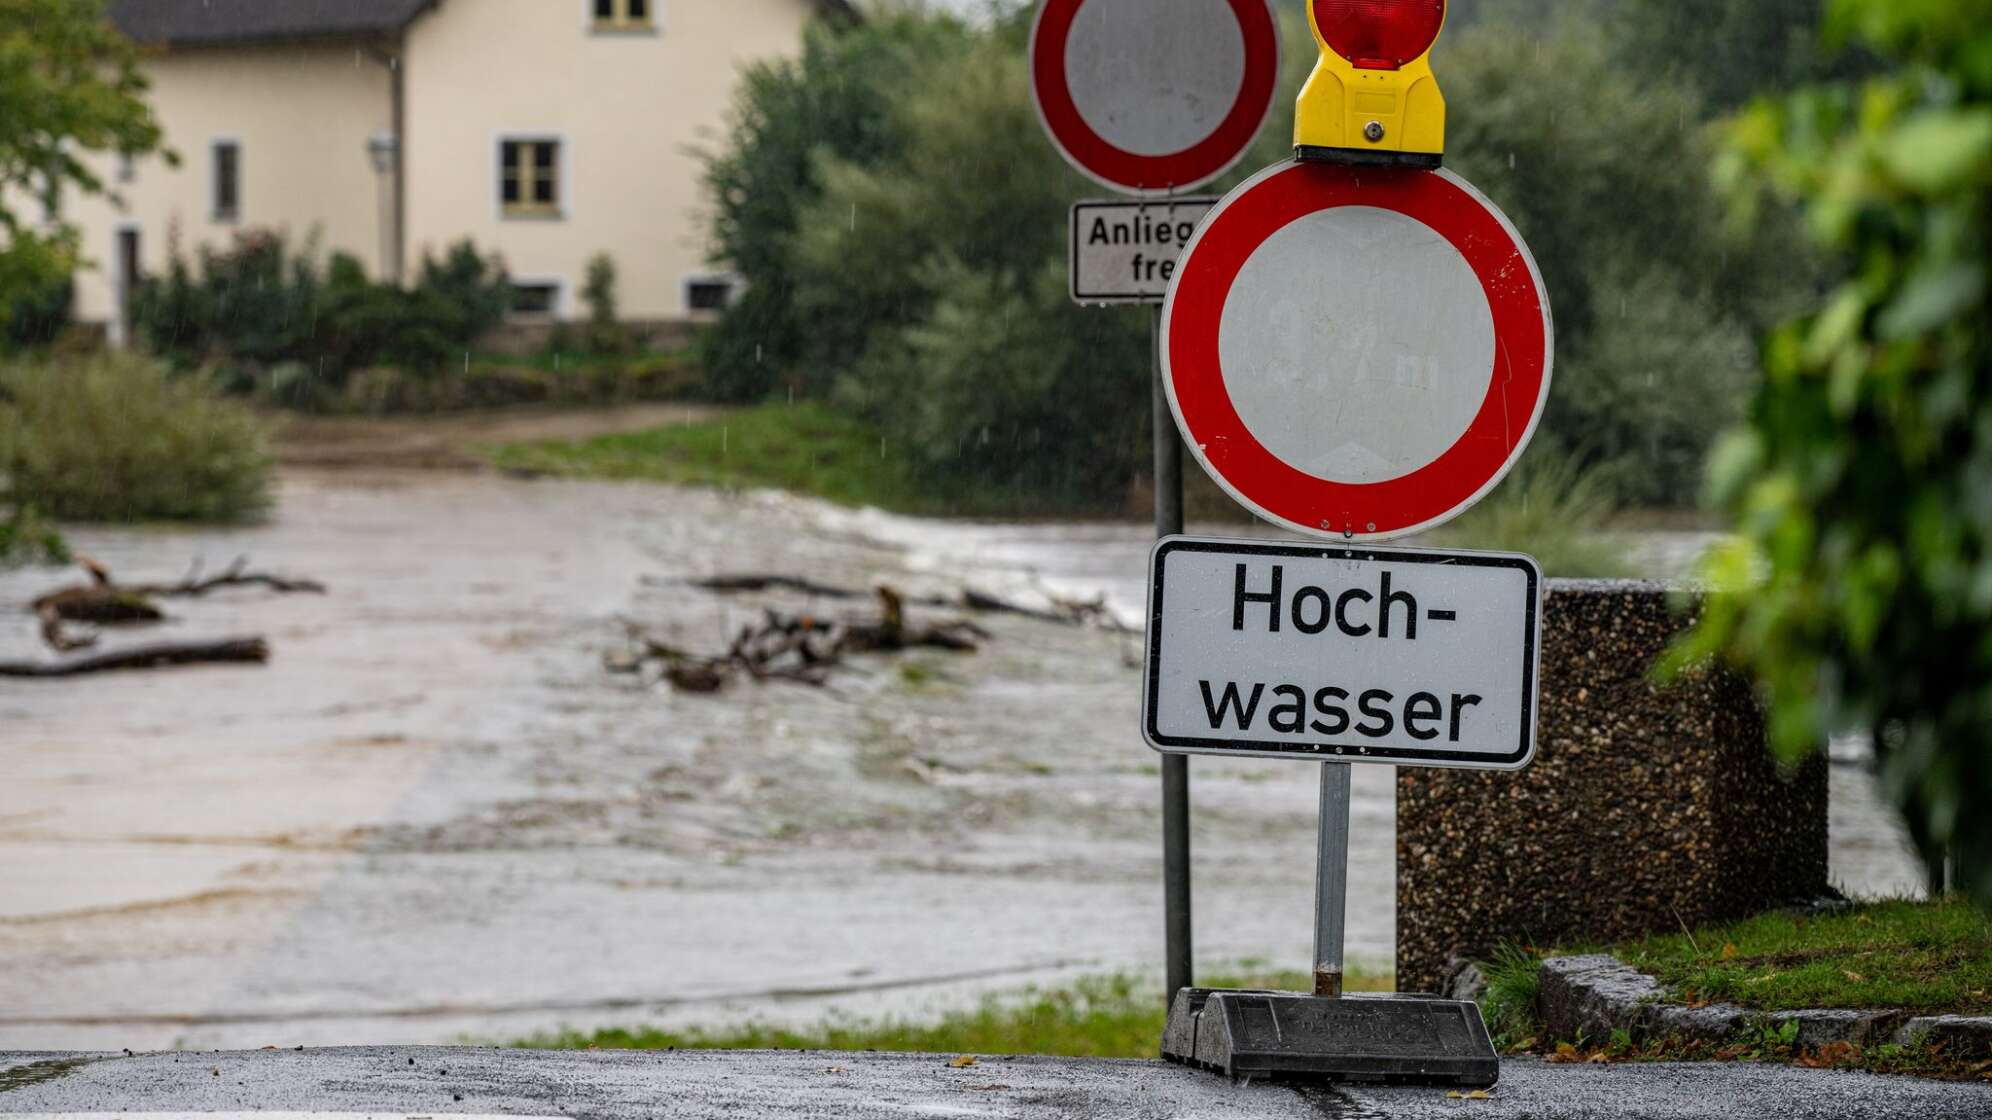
<point>1155,77</point>
<point>1355,329</point>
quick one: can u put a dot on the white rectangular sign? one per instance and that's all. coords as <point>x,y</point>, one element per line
<point>1342,653</point>
<point>1125,252</point>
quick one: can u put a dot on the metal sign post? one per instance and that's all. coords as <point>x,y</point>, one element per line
<point>1178,950</point>
<point>1331,879</point>
<point>1153,98</point>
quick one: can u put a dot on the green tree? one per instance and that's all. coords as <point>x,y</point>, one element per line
<point>835,101</point>
<point>1656,299</point>
<point>1732,50</point>
<point>1862,485</point>
<point>71,89</point>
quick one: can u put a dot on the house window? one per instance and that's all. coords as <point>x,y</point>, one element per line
<point>529,178</point>
<point>536,298</point>
<point>709,293</point>
<point>623,15</point>
<point>227,176</point>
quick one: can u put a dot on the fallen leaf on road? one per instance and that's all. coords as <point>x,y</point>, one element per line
<point>963,1062</point>
<point>1852,975</point>
<point>1599,1058</point>
<point>1565,1053</point>
<point>835,1069</point>
<point>1729,951</point>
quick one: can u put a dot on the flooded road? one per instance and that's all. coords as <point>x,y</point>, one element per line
<point>435,815</point>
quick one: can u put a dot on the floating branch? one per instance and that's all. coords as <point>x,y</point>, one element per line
<point>229,651</point>
<point>800,649</point>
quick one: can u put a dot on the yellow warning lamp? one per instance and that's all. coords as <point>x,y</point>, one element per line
<point>1372,97</point>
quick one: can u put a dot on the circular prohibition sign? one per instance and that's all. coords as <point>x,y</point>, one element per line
<point>1357,352</point>
<point>1153,97</point>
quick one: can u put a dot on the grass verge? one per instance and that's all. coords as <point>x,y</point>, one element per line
<point>1115,1016</point>
<point>1932,958</point>
<point>1925,958</point>
<point>805,448</point>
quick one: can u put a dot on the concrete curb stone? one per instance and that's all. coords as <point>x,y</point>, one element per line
<point>1591,996</point>
<point>1961,1035</point>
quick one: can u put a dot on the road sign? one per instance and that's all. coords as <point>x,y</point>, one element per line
<point>1353,352</point>
<point>1342,653</point>
<point>1154,97</point>
<point>1125,252</point>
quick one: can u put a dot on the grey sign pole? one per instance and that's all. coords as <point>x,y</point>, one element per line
<point>1175,767</point>
<point>1331,879</point>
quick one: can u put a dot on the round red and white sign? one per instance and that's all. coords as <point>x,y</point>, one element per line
<point>1152,97</point>
<point>1360,353</point>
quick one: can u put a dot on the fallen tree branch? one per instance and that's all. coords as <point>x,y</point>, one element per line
<point>228,651</point>
<point>1064,612</point>
<point>801,649</point>
<point>105,602</point>
<point>742,584</point>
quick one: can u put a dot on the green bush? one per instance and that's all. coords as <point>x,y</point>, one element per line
<point>25,538</point>
<point>37,315</point>
<point>115,438</point>
<point>1861,486</point>
<point>270,318</point>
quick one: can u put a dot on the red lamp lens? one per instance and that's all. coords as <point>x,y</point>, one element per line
<point>1380,34</point>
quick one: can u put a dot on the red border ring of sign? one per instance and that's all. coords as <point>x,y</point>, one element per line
<point>1125,171</point>
<point>1524,352</point>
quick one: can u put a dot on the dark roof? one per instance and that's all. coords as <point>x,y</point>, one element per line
<point>224,21</point>
<point>230,21</point>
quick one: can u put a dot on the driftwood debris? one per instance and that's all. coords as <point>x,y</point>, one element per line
<point>227,651</point>
<point>1065,612</point>
<point>802,649</point>
<point>105,602</point>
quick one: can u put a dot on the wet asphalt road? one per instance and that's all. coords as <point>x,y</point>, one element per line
<point>693,1085</point>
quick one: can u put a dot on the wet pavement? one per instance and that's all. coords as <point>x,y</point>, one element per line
<point>691,1085</point>
<point>434,815</point>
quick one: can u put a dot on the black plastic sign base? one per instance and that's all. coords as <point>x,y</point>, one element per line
<point>1403,1039</point>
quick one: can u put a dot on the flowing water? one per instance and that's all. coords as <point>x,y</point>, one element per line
<point>435,815</point>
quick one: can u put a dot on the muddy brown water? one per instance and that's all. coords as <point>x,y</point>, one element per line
<point>434,815</point>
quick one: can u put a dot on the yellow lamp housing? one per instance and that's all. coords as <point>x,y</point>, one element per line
<point>1372,98</point>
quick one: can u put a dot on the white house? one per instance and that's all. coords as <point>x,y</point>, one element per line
<point>544,130</point>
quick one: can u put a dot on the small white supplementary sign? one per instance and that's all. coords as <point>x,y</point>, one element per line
<point>1342,653</point>
<point>1125,252</point>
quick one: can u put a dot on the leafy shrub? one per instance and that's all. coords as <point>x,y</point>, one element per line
<point>1861,486</point>
<point>115,438</point>
<point>272,318</point>
<point>605,330</point>
<point>25,538</point>
<point>37,315</point>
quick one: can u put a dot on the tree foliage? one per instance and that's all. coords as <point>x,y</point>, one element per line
<point>1656,299</point>
<point>69,87</point>
<point>1862,484</point>
<point>899,216</point>
<point>837,100</point>
<point>1731,50</point>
